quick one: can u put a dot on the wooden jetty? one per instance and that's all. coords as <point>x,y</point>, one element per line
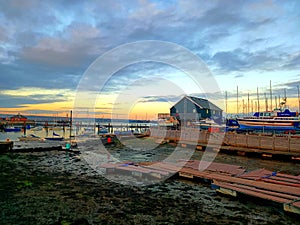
<point>282,147</point>
<point>227,179</point>
<point>41,146</point>
<point>6,146</point>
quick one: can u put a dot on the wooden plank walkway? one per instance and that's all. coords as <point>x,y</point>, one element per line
<point>227,179</point>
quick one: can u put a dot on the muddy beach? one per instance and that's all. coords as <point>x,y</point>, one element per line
<point>59,187</point>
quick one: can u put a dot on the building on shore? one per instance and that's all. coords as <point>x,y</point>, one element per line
<point>16,120</point>
<point>194,109</point>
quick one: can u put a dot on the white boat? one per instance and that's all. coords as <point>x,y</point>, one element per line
<point>30,137</point>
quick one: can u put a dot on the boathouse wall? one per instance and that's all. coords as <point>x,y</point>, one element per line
<point>195,109</point>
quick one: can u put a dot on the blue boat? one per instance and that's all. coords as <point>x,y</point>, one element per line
<point>274,120</point>
<point>12,129</point>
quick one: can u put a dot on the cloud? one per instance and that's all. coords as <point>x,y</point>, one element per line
<point>293,62</point>
<point>238,76</point>
<point>50,44</point>
<point>169,98</point>
<point>25,96</point>
<point>241,60</point>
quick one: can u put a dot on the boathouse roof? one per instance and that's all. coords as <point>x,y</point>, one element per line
<point>204,103</point>
<point>201,102</point>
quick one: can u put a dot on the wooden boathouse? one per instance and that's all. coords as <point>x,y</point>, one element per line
<point>193,109</point>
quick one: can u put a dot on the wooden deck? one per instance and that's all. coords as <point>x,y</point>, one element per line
<point>6,146</point>
<point>227,179</point>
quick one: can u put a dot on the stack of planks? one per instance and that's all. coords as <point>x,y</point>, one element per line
<point>265,184</point>
<point>227,179</point>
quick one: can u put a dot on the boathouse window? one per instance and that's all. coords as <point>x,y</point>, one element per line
<point>207,111</point>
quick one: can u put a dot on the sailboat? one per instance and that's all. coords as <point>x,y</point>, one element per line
<point>55,137</point>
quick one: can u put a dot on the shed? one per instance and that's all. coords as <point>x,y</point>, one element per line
<point>191,108</point>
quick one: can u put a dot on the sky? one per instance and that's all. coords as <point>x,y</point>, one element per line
<point>137,58</point>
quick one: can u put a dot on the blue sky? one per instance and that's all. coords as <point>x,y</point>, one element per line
<point>46,47</point>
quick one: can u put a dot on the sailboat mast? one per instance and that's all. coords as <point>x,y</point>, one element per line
<point>226,103</point>
<point>243,107</point>
<point>248,104</point>
<point>284,98</point>
<point>258,106</point>
<point>298,98</point>
<point>271,94</point>
<point>266,101</point>
<point>237,100</point>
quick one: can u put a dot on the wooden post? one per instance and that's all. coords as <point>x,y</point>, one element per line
<point>71,125</point>
<point>24,128</point>
<point>289,138</point>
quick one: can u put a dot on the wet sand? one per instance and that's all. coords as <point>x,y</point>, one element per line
<point>61,188</point>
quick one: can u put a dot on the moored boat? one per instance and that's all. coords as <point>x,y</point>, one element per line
<point>12,129</point>
<point>274,120</point>
<point>55,137</point>
<point>30,137</point>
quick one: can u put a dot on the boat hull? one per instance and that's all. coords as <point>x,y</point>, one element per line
<point>54,138</point>
<point>12,129</point>
<point>268,125</point>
